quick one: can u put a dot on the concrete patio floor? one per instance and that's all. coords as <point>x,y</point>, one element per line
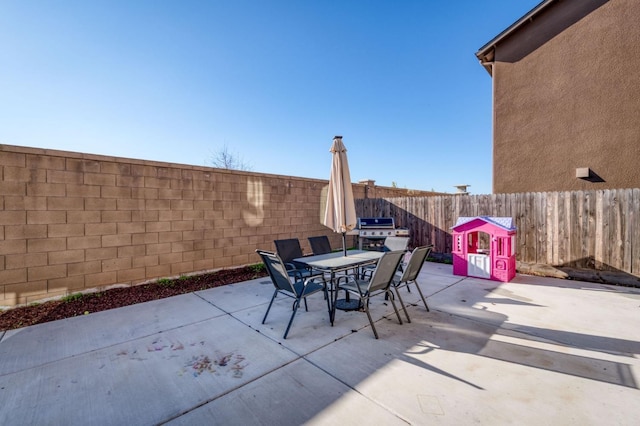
<point>533,351</point>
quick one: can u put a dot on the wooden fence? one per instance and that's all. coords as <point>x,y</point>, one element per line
<point>597,230</point>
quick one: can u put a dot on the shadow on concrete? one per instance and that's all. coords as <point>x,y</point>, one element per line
<point>582,269</point>
<point>535,347</point>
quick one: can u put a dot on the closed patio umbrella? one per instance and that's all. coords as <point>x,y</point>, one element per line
<point>340,213</point>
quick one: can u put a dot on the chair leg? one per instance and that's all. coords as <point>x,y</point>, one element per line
<point>421,295</point>
<point>373,327</point>
<point>334,299</point>
<point>404,307</point>
<point>275,293</point>
<point>393,303</point>
<point>296,304</point>
<point>326,297</point>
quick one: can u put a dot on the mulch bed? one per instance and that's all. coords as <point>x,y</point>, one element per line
<point>84,304</point>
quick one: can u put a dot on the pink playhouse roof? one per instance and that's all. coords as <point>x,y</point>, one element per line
<point>505,223</point>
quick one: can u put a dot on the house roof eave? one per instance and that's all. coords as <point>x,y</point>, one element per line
<point>486,54</point>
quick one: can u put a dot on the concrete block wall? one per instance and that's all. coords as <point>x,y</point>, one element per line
<point>70,222</point>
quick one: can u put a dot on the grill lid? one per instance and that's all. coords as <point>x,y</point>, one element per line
<point>376,223</point>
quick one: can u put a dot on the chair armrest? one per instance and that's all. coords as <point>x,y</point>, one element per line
<point>296,265</point>
<point>345,279</point>
<point>314,277</point>
<point>295,273</point>
<point>367,273</point>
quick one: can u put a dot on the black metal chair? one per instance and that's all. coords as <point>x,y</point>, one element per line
<point>410,275</point>
<point>379,282</point>
<point>320,245</point>
<point>299,289</point>
<point>288,250</point>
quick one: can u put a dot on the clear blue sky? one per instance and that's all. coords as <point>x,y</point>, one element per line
<point>273,80</point>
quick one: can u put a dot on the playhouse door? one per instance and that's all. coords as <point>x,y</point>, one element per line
<point>479,265</point>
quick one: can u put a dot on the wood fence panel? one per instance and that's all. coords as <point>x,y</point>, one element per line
<point>420,213</point>
<point>540,224</point>
<point>464,208</point>
<point>448,204</point>
<point>499,205</point>
<point>585,229</point>
<point>620,227</point>
<point>529,217</point>
<point>580,234</point>
<point>562,228</point>
<point>635,235</point>
<point>433,230</point>
<point>626,202</point>
<point>521,222</point>
<point>612,241</point>
<point>599,213</point>
<point>589,213</point>
<point>574,232</point>
<point>443,229</point>
<point>552,228</point>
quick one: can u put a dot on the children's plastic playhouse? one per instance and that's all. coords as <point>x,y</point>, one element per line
<point>491,256</point>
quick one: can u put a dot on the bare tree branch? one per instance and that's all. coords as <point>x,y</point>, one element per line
<point>225,159</point>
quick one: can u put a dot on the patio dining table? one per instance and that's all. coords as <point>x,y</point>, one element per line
<point>336,262</point>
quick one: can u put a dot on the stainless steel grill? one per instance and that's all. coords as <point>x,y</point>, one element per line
<point>378,228</point>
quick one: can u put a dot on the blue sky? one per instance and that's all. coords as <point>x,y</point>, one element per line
<point>273,81</point>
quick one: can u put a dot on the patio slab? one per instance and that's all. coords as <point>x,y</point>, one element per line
<point>533,351</point>
<point>295,394</point>
<point>146,380</point>
<point>44,343</point>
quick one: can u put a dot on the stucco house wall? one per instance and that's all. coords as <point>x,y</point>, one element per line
<point>566,94</point>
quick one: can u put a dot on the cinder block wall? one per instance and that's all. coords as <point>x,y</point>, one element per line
<point>71,222</point>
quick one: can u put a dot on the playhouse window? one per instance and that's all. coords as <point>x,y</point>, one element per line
<point>500,248</point>
<point>513,245</point>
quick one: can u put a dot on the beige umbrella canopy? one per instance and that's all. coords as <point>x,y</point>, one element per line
<point>340,213</point>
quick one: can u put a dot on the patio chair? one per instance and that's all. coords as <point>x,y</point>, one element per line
<point>410,275</point>
<point>391,244</point>
<point>320,245</point>
<point>288,250</point>
<point>379,282</point>
<point>298,289</point>
<point>395,243</point>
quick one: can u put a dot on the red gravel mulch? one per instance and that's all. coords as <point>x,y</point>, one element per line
<point>84,304</point>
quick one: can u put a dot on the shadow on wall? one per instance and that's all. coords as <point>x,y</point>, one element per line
<point>562,17</point>
<point>421,231</point>
<point>253,213</point>
<point>593,177</point>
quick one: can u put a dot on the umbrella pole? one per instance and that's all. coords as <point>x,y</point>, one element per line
<point>344,243</point>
